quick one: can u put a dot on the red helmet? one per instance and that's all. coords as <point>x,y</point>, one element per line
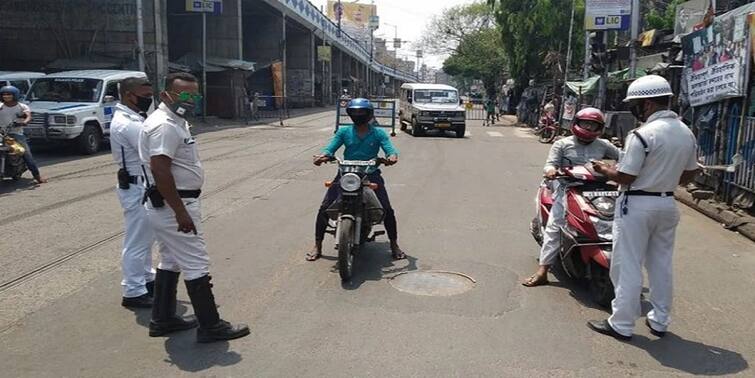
<point>592,115</point>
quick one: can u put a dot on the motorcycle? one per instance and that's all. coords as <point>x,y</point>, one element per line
<point>357,210</point>
<point>548,129</point>
<point>12,164</point>
<point>586,240</point>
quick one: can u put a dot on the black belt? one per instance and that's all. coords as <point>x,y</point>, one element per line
<point>651,194</point>
<point>189,193</point>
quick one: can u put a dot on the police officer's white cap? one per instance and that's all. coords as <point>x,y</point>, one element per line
<point>648,87</point>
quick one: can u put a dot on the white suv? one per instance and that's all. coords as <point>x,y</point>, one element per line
<point>75,106</point>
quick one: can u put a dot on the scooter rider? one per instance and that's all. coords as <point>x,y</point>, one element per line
<point>125,129</point>
<point>363,142</point>
<point>657,157</point>
<point>18,115</point>
<point>579,149</point>
<point>170,151</point>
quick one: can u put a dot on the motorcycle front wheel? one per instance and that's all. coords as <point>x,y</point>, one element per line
<point>547,135</point>
<point>346,248</point>
<point>601,287</point>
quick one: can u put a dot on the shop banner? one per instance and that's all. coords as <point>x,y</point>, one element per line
<point>717,60</point>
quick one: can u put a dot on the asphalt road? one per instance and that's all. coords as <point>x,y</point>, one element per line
<point>463,205</point>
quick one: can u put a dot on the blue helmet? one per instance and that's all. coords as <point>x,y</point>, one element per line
<point>360,103</point>
<point>360,111</point>
<point>12,90</point>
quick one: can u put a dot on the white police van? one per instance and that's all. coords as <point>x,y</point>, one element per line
<point>75,106</point>
<point>431,107</point>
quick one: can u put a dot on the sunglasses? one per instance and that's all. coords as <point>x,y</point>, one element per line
<point>186,96</point>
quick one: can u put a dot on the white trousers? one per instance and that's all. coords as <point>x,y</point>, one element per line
<point>180,252</point>
<point>136,257</point>
<point>643,236</point>
<point>556,220</point>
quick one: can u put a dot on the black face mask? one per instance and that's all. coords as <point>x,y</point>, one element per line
<point>361,118</point>
<point>143,103</point>
<point>637,111</point>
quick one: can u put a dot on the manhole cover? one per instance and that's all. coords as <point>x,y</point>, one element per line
<point>433,283</point>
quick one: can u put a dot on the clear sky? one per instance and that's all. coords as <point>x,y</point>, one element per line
<point>411,17</point>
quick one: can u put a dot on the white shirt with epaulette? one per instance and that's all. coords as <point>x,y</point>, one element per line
<point>671,150</point>
<point>167,134</point>
<point>125,129</point>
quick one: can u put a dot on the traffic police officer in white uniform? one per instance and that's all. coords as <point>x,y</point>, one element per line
<point>658,156</point>
<point>125,129</point>
<point>168,148</point>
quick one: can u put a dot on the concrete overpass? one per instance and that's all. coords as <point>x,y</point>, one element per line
<point>104,33</point>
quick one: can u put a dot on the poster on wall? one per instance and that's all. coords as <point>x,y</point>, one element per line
<point>717,59</point>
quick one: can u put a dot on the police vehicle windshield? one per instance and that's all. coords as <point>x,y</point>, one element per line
<point>438,96</point>
<point>66,90</point>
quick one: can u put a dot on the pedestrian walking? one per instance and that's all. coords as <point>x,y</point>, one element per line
<point>658,156</point>
<point>125,129</point>
<point>170,151</point>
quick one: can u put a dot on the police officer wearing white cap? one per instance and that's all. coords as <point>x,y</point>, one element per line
<point>125,129</point>
<point>658,156</point>
<point>170,151</point>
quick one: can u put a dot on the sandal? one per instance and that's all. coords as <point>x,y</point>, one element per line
<point>313,255</point>
<point>398,255</point>
<point>536,280</point>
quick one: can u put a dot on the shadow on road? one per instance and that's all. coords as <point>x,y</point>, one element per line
<point>691,357</point>
<point>183,350</point>
<point>11,186</point>
<point>186,354</point>
<point>374,263</point>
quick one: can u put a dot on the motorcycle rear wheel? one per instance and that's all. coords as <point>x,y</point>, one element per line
<point>346,249</point>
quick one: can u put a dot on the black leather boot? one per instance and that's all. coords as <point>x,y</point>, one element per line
<point>211,327</point>
<point>164,319</point>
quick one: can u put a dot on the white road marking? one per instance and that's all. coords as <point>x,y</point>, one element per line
<point>324,129</point>
<point>523,133</point>
<point>494,133</point>
<point>467,134</point>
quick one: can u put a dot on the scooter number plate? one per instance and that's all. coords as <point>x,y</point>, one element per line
<point>611,193</point>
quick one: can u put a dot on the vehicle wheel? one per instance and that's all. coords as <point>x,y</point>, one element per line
<point>460,132</point>
<point>601,287</point>
<point>403,125</point>
<point>535,230</point>
<point>346,249</point>
<point>90,140</point>
<point>417,130</point>
<point>546,135</point>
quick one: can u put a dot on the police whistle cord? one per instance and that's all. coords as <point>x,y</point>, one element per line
<point>81,251</point>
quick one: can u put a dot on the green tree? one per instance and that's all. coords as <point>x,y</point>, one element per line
<point>662,19</point>
<point>479,56</point>
<point>532,30</point>
<point>446,31</point>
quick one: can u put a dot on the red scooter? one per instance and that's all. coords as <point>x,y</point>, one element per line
<point>586,240</point>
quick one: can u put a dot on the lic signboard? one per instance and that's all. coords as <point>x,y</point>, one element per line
<point>608,14</point>
<point>205,6</point>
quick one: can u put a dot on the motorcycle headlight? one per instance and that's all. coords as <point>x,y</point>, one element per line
<point>603,227</point>
<point>350,182</point>
<point>605,206</point>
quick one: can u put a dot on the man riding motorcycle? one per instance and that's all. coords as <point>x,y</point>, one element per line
<point>363,142</point>
<point>579,149</point>
<point>16,115</point>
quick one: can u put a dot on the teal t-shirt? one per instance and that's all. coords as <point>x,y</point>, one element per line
<point>365,148</point>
